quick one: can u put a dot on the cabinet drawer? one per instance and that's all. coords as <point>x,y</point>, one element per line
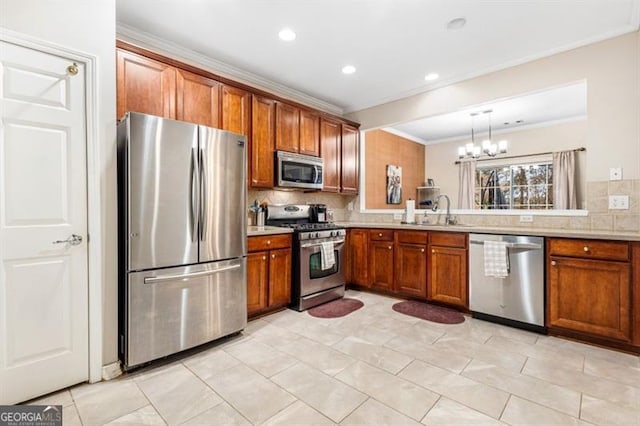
<point>381,235</point>
<point>269,242</point>
<point>448,239</point>
<point>412,237</point>
<point>589,249</point>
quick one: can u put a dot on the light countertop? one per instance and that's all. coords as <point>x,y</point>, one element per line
<point>542,232</point>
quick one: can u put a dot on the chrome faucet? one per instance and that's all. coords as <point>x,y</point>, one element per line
<point>448,220</point>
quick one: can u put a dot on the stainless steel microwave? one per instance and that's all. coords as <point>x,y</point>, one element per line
<point>298,171</point>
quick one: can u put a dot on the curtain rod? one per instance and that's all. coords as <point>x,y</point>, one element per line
<point>524,155</point>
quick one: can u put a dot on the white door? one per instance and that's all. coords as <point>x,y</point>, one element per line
<point>43,285</point>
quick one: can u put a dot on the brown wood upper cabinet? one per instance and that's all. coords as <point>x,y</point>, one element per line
<point>262,142</point>
<point>350,151</point>
<point>587,295</point>
<point>197,99</point>
<point>330,135</point>
<point>309,133</point>
<point>236,108</point>
<point>287,127</point>
<point>145,85</point>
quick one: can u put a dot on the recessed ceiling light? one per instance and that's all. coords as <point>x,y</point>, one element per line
<point>456,24</point>
<point>348,69</point>
<point>287,34</point>
<point>431,76</point>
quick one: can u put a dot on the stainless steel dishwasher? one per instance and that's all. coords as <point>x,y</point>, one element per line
<point>518,299</point>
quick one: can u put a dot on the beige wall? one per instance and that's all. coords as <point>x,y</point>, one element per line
<point>611,69</point>
<point>87,26</point>
<point>440,158</point>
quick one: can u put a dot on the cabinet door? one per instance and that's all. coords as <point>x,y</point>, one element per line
<point>330,151</point>
<point>590,296</point>
<point>309,133</point>
<point>279,277</point>
<point>349,178</point>
<point>411,269</point>
<point>236,104</point>
<point>257,281</point>
<point>197,99</point>
<point>448,275</point>
<point>287,127</point>
<point>262,142</point>
<point>381,271</point>
<point>144,85</point>
<point>359,254</point>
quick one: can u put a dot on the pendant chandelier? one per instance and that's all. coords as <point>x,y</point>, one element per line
<point>488,147</point>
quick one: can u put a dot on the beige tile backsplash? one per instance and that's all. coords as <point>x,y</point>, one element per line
<point>600,218</point>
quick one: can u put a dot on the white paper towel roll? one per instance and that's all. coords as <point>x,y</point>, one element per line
<point>410,211</point>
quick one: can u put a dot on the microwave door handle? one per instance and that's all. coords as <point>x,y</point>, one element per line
<point>315,174</point>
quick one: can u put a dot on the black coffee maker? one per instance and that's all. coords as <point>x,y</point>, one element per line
<point>318,213</point>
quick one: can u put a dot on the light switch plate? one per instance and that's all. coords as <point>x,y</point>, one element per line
<point>615,173</point>
<point>618,202</point>
<point>526,218</point>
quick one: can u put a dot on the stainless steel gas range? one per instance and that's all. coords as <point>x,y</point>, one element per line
<point>318,254</point>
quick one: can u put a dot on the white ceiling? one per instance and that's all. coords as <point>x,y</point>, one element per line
<point>534,109</point>
<point>392,43</point>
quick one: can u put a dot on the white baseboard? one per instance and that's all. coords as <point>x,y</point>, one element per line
<point>111,371</point>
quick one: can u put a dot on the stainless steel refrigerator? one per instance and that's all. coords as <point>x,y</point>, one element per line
<point>182,236</point>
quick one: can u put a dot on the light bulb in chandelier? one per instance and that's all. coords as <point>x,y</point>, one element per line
<point>502,146</point>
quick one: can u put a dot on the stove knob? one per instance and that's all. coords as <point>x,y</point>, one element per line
<point>317,235</point>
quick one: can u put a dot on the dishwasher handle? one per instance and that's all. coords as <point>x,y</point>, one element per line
<point>528,246</point>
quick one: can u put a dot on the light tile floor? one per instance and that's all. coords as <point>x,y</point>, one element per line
<point>372,367</point>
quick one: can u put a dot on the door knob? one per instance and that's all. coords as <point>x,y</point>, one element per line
<point>73,240</point>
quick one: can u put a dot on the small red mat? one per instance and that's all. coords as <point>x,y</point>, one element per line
<point>336,308</point>
<point>429,312</point>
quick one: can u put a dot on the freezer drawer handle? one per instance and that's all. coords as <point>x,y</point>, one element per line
<point>163,278</point>
<point>531,246</point>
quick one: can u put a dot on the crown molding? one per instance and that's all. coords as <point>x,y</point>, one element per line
<point>405,135</point>
<point>631,27</point>
<point>175,51</point>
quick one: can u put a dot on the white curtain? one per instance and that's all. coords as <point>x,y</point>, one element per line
<point>466,183</point>
<point>564,180</point>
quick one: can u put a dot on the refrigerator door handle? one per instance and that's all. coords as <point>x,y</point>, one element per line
<point>192,196</point>
<point>164,278</point>
<point>203,196</point>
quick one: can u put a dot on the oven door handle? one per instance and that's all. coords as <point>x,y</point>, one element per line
<point>336,242</point>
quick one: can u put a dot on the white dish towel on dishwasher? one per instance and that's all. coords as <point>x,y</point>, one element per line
<point>327,258</point>
<point>496,259</point>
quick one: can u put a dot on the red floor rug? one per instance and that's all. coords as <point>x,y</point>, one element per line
<point>429,312</point>
<point>336,308</point>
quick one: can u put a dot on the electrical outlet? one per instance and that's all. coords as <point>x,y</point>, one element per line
<point>526,218</point>
<point>618,202</point>
<point>397,216</point>
<point>615,173</point>
<point>350,206</point>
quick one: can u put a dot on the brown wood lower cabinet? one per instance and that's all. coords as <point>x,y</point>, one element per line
<point>590,296</point>
<point>359,257</point>
<point>590,288</point>
<point>381,269</point>
<point>448,275</point>
<point>268,273</point>
<point>411,263</point>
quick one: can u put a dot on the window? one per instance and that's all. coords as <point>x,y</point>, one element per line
<point>515,186</point>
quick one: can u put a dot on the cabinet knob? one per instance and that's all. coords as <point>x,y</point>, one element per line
<point>421,250</point>
<point>553,263</point>
<point>273,256</point>
<point>390,247</point>
<point>586,249</point>
<point>380,234</point>
<point>433,250</point>
<point>264,257</point>
<point>268,242</point>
